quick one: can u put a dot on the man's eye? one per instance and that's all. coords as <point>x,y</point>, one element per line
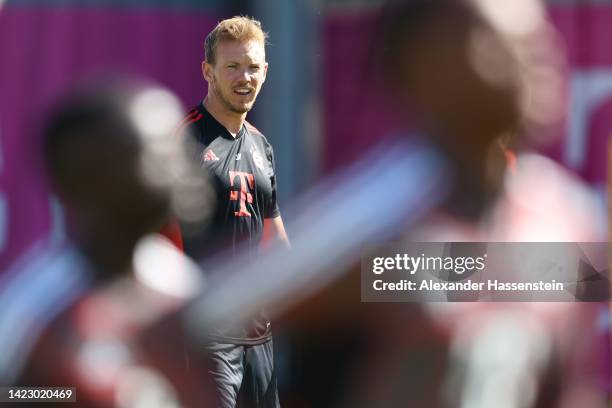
<point>232,66</point>
<point>255,67</point>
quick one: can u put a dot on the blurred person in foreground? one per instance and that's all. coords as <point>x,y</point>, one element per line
<point>398,351</point>
<point>475,72</point>
<point>241,163</point>
<point>72,313</point>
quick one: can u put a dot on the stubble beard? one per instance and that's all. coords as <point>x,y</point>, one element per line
<point>225,101</point>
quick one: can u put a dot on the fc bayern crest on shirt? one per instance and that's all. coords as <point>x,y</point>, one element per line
<point>257,159</point>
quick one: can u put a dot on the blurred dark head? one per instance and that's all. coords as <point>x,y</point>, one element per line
<point>443,59</point>
<point>114,163</point>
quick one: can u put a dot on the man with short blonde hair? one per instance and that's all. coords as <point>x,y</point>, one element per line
<point>241,162</point>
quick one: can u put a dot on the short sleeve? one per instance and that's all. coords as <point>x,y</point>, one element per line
<point>271,209</point>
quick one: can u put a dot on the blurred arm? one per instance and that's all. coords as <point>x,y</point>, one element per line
<point>273,231</point>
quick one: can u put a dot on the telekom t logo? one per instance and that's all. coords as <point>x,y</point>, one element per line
<point>245,195</point>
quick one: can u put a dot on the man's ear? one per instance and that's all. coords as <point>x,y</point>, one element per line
<point>207,71</point>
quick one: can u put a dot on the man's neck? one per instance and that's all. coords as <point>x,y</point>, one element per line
<point>230,120</point>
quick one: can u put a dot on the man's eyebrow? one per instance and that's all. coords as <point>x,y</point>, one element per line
<point>247,58</point>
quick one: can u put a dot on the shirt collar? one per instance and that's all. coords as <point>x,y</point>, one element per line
<point>213,125</point>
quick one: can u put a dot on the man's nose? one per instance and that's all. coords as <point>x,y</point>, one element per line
<point>244,75</point>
